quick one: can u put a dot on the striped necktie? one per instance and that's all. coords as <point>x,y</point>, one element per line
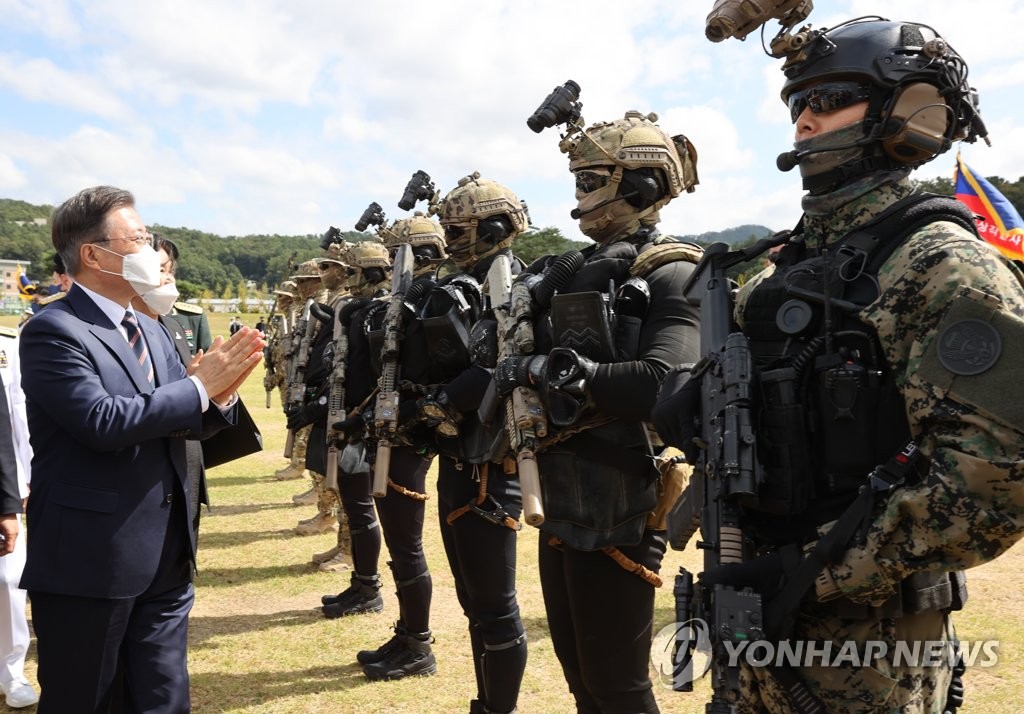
<point>138,345</point>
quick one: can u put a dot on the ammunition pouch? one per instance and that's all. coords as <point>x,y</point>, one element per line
<point>580,321</point>
<point>446,317</point>
<point>631,303</point>
<point>373,326</point>
<point>921,592</point>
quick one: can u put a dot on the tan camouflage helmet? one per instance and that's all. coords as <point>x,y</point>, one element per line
<point>416,230</point>
<point>635,142</point>
<point>287,288</point>
<point>472,201</point>
<point>307,269</point>
<point>362,256</point>
<point>334,253</point>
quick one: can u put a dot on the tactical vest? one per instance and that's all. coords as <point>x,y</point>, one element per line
<point>599,485</point>
<point>829,409</point>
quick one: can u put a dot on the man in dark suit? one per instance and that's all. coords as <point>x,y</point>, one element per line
<point>109,408</point>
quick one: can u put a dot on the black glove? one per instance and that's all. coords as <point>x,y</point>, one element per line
<point>513,372</point>
<point>676,414</point>
<point>567,385</point>
<point>408,412</point>
<point>764,574</point>
<point>353,426</point>
<point>465,392</point>
<point>307,414</point>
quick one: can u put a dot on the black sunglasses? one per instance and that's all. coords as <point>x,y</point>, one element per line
<point>826,97</point>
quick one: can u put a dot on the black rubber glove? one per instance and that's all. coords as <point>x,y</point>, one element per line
<point>676,414</point>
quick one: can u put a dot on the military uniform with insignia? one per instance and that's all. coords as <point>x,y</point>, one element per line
<point>889,424</point>
<point>194,324</point>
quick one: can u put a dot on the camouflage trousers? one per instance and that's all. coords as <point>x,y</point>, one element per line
<point>298,460</point>
<point>329,503</point>
<point>889,683</point>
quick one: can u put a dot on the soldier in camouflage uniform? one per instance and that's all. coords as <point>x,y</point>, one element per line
<point>334,276</point>
<point>309,283</point>
<point>289,297</point>
<point>917,343</point>
<point>275,332</point>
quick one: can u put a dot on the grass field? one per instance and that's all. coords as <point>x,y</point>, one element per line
<point>259,644</point>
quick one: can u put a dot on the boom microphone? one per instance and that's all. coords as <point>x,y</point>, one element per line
<point>791,159</point>
<point>788,161</point>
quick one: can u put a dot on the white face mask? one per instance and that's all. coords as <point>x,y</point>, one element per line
<point>160,300</point>
<point>141,269</point>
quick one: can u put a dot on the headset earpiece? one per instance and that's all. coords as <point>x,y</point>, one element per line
<point>646,186</point>
<point>918,124</point>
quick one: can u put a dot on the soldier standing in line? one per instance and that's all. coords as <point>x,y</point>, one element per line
<point>603,345</point>
<point>310,287</point>
<point>368,270</point>
<point>402,509</point>
<point>885,343</point>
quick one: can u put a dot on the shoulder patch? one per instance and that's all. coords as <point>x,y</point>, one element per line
<point>656,255</point>
<point>52,298</point>
<point>8,331</point>
<point>188,308</point>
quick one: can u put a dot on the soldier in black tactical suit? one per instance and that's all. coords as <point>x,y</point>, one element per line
<point>478,504</point>
<point>887,409</point>
<point>368,271</point>
<point>401,509</point>
<point>603,344</point>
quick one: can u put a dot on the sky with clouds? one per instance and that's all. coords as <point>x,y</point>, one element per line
<point>265,116</point>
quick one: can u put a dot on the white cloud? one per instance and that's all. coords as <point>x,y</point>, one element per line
<point>40,80</point>
<point>264,116</point>
<point>11,178</point>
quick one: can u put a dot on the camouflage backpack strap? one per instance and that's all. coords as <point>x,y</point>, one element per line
<point>903,219</point>
<point>661,252</point>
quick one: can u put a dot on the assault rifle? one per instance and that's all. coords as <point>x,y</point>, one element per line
<point>297,373</point>
<point>385,414</point>
<point>268,354</point>
<point>336,399</point>
<point>726,476</point>
<point>525,418</point>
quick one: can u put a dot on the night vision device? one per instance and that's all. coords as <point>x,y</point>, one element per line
<point>562,106</point>
<point>419,188</point>
<point>738,18</point>
<point>333,235</point>
<point>373,215</point>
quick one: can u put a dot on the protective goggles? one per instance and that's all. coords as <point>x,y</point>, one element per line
<point>590,181</point>
<point>826,97</point>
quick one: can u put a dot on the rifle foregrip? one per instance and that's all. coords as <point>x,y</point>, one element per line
<point>529,483</point>
<point>268,399</point>
<point>381,469</point>
<point>289,444</point>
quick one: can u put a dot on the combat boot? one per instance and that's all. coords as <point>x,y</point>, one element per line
<point>340,561</point>
<point>289,473</point>
<point>308,498</point>
<point>319,558</point>
<point>381,653</point>
<point>320,523</point>
<point>412,656</point>
<point>363,595</point>
<point>477,707</point>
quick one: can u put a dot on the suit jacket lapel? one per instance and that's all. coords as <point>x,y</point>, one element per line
<point>159,344</point>
<point>109,335</point>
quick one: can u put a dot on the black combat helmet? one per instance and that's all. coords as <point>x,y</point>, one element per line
<point>919,101</point>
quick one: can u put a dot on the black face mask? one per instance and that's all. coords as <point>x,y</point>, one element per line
<point>373,275</point>
<point>425,254</point>
<point>493,230</point>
